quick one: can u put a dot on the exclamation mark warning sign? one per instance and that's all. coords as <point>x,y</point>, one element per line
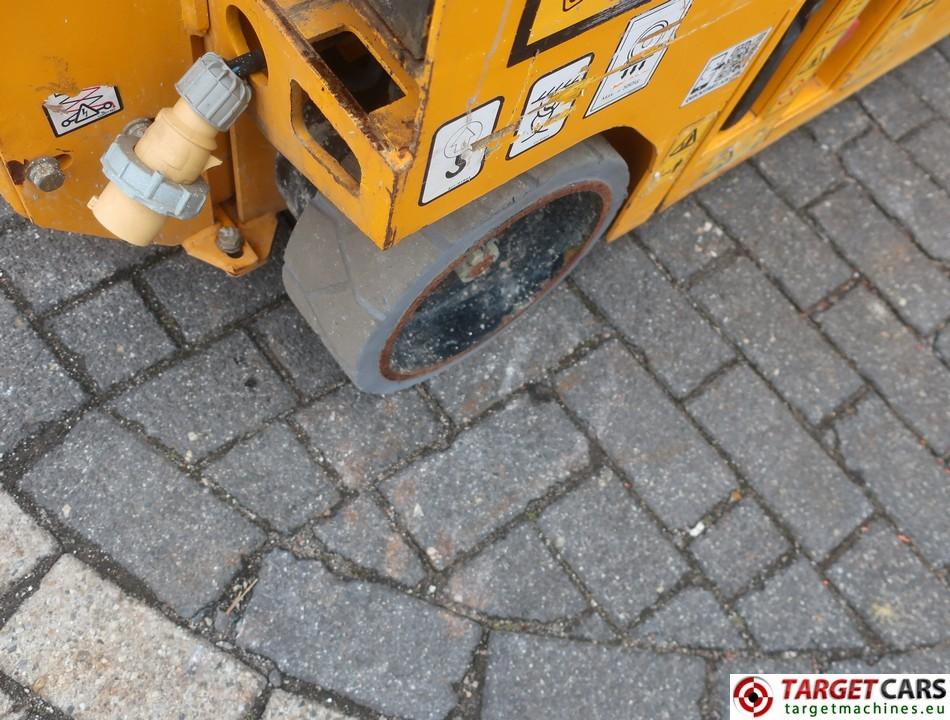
<point>69,113</point>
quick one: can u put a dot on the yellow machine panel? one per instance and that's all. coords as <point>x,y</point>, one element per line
<point>449,162</point>
<point>489,90</point>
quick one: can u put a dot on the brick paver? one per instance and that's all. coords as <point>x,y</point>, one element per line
<point>93,652</point>
<point>363,534</point>
<point>129,500</point>
<point>904,369</point>
<point>35,388</point>
<point>781,461</point>
<point>24,543</point>
<point>379,646</point>
<point>721,448</point>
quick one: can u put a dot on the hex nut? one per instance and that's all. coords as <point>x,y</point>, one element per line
<point>46,173</point>
<point>230,241</point>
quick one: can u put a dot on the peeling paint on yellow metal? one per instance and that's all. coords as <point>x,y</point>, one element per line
<point>498,87</point>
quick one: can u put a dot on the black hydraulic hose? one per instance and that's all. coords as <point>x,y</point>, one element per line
<point>247,64</point>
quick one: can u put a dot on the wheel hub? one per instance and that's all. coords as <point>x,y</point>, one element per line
<point>495,282</point>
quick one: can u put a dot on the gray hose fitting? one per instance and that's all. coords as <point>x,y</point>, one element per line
<point>215,91</point>
<point>137,180</point>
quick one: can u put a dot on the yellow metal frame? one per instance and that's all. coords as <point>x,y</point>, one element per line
<point>484,64</point>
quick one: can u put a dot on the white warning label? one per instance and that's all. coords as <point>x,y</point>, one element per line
<point>633,64</point>
<point>68,113</point>
<point>547,108</point>
<point>726,66</point>
<point>454,159</point>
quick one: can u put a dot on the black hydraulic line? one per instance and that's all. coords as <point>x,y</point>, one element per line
<point>247,64</point>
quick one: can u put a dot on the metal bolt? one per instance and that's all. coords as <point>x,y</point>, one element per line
<point>478,262</point>
<point>137,127</point>
<point>45,172</point>
<point>230,241</point>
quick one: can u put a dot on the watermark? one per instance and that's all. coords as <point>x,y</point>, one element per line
<point>869,697</point>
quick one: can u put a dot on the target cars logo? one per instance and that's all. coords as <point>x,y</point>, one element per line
<point>870,696</point>
<point>752,696</point>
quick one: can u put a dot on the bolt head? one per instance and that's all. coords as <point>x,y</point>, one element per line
<point>46,173</point>
<point>230,241</point>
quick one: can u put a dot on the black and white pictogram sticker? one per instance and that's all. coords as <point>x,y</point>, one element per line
<point>68,113</point>
<point>544,115</point>
<point>454,159</point>
<point>633,64</point>
<point>726,66</point>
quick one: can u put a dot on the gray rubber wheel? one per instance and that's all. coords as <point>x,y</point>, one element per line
<point>393,319</point>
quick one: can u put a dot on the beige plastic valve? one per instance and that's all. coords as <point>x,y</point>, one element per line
<point>179,145</point>
<point>157,176</point>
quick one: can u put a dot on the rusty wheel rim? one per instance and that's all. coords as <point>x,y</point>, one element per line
<point>496,281</point>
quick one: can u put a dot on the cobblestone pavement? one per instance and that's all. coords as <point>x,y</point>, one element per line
<point>723,447</point>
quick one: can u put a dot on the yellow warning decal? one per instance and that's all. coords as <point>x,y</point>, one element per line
<point>681,151</point>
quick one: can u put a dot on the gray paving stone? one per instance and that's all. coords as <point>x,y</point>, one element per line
<point>274,477</point>
<point>922,662</point>
<point>656,317</point>
<point>894,105</point>
<point>593,627</point>
<point>299,350</point>
<point>904,190</point>
<point>927,73</point>
<point>684,238</point>
<point>839,124</point>
<point>517,578</point>
<point>452,499</point>
<point>627,563</point>
<point>675,471</point>
<point>721,700</point>
<point>284,706</point>
<point>34,387</point>
<point>8,709</point>
<point>384,649</point>
<point>781,461</point>
<point>692,619</point>
<point>114,334</point>
<point>5,210</point>
<point>535,344</point>
<point>930,147</point>
<point>203,299</point>
<point>203,402</point>
<point>362,435</point>
<point>799,167</point>
<point>795,611</point>
<point>778,340</point>
<point>739,547</point>
<point>805,264</point>
<point>904,476</point>
<point>908,374</point>
<point>915,285</point>
<point>48,266</point>
<point>120,494</point>
<point>23,544</point>
<point>533,677</point>
<point>93,652</point>
<point>362,533</point>
<point>942,344</point>
<point>895,593</point>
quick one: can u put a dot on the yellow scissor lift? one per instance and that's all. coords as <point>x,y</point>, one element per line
<point>449,161</point>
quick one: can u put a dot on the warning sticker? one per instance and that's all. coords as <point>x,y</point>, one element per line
<point>91,105</point>
<point>726,66</point>
<point>681,151</point>
<point>548,105</point>
<point>641,49</point>
<point>454,159</point>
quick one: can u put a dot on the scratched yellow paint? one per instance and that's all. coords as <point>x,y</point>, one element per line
<point>554,16</point>
<point>484,103</point>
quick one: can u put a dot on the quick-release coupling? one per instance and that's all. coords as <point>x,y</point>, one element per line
<point>156,175</point>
